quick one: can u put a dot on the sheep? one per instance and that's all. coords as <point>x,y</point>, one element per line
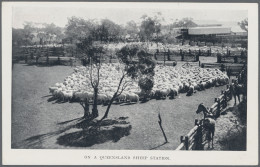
<point>67,95</point>
<point>57,93</point>
<point>109,96</point>
<point>52,89</point>
<point>190,91</point>
<point>168,81</point>
<point>121,98</point>
<point>164,93</point>
<point>101,98</point>
<point>173,93</point>
<point>132,97</point>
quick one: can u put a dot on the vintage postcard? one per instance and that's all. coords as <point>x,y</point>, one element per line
<point>129,83</point>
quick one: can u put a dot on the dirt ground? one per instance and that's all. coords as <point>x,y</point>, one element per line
<point>40,122</point>
<point>230,131</point>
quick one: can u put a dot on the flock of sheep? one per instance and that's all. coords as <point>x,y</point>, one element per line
<point>152,47</point>
<point>168,82</point>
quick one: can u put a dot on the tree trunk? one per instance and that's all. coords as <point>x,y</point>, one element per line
<point>94,109</point>
<point>108,107</point>
<point>86,110</point>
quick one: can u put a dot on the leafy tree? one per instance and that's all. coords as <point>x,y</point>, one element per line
<point>28,32</point>
<point>78,28</point>
<point>42,36</point>
<point>147,28</point>
<point>244,24</point>
<point>151,26</point>
<point>132,29</point>
<point>108,31</point>
<point>146,84</point>
<point>184,23</point>
<point>17,37</point>
<point>53,32</point>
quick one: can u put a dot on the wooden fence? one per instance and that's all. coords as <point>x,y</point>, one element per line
<point>231,69</point>
<point>189,56</point>
<point>196,138</point>
<point>232,57</point>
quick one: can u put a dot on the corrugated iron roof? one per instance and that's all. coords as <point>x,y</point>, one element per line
<point>209,30</point>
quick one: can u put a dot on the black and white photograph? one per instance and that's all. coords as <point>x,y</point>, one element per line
<point>128,77</point>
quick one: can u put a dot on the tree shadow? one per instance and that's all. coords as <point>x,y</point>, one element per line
<point>108,130</point>
<point>46,96</point>
<point>56,100</point>
<point>127,104</point>
<point>52,99</point>
<point>65,122</point>
<point>158,146</point>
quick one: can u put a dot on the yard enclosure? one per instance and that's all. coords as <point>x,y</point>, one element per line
<point>35,116</point>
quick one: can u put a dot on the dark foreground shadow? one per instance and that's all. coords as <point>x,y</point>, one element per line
<point>109,130</point>
<point>80,133</point>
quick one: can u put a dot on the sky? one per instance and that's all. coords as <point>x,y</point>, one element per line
<point>122,13</point>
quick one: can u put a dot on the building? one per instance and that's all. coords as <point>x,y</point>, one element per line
<point>197,33</point>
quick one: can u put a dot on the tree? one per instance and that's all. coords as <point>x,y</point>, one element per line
<point>132,29</point>
<point>244,24</point>
<point>78,28</point>
<point>94,54</point>
<point>42,36</point>
<point>53,32</point>
<point>146,84</point>
<point>128,68</point>
<point>17,37</point>
<point>134,63</point>
<point>28,32</point>
<point>147,28</point>
<point>184,23</point>
<point>109,31</point>
<point>151,26</point>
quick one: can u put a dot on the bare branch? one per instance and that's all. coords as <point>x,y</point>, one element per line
<point>98,75</point>
<point>119,85</point>
<point>82,104</point>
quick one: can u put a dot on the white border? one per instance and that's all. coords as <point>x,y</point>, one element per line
<point>76,157</point>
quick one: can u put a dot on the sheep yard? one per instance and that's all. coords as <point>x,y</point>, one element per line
<point>39,121</point>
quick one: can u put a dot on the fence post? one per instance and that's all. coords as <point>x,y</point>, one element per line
<point>224,103</point>
<point>235,59</point>
<point>47,60</point>
<point>218,107</point>
<point>186,142</point>
<point>198,57</point>
<point>196,122</point>
<point>218,58</point>
<point>183,141</point>
<point>198,138</point>
<point>225,99</point>
<point>182,56</point>
<point>229,92</point>
<point>168,55</point>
